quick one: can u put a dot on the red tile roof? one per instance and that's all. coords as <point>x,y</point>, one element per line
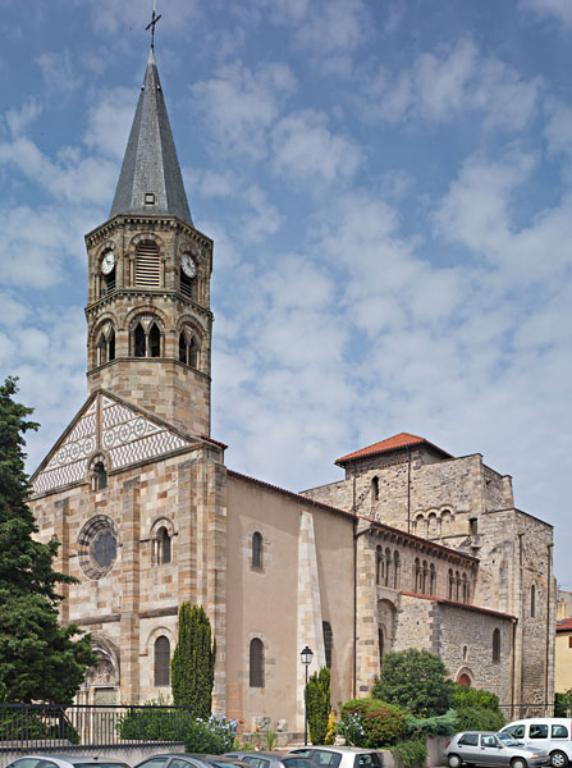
<point>564,625</point>
<point>402,440</point>
<point>464,606</point>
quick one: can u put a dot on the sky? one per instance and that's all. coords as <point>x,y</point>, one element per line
<point>389,187</point>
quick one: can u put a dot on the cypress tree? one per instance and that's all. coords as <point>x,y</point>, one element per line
<point>39,660</point>
<point>193,662</point>
<point>318,704</point>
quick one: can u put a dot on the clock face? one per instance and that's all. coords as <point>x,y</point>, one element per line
<point>188,265</point>
<point>108,262</point>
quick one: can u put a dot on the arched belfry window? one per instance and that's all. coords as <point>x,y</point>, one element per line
<point>257,549</point>
<point>105,345</point>
<point>188,348</point>
<point>162,661</point>
<point>146,338</point>
<point>147,265</point>
<point>256,663</point>
<point>99,476</point>
<point>163,546</point>
<point>496,646</point>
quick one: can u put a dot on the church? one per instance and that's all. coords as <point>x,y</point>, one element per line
<point>411,547</point>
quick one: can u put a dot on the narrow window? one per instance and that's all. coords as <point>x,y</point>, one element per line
<point>424,578</point>
<point>328,642</point>
<point>378,565</point>
<point>256,663</point>
<point>163,546</point>
<point>417,576</point>
<point>108,283</point>
<point>139,341</point>
<point>387,567</point>
<point>396,565</point>
<point>147,265</point>
<point>375,488</point>
<point>154,341</point>
<point>257,542</point>
<point>496,646</point>
<point>162,660</point>
<point>432,579</point>
<point>533,601</point>
<point>381,645</point>
<point>111,346</point>
<point>465,588</point>
<point>193,353</point>
<point>99,476</point>
<point>451,584</point>
<point>101,350</point>
<point>570,641</point>
<point>188,285</point>
<point>182,348</point>
<point>473,526</point>
<point>457,586</point>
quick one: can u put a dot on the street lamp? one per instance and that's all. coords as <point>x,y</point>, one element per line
<point>306,655</point>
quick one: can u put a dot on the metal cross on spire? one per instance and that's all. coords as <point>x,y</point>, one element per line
<point>151,26</point>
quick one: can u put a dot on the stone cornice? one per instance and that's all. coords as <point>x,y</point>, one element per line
<point>136,221</point>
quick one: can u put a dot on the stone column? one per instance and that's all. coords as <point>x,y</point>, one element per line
<point>130,592</point>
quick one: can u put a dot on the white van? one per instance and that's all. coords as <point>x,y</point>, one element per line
<point>551,733</point>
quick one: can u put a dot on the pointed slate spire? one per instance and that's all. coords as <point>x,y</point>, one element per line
<point>150,180</point>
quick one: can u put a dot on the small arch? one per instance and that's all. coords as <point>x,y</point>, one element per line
<point>99,476</point>
<point>257,551</point>
<point>446,520</point>
<point>464,679</point>
<point>496,646</point>
<point>432,579</point>
<point>451,585</point>
<point>105,344</point>
<point>139,341</point>
<point>154,340</point>
<point>387,567</point>
<point>375,488</point>
<point>328,642</point>
<point>379,566</point>
<point>146,337</point>
<point>188,347</point>
<point>533,601</point>
<point>432,527</point>
<point>162,661</point>
<point>256,663</point>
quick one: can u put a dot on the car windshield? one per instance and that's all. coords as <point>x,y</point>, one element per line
<point>509,740</point>
<point>101,765</point>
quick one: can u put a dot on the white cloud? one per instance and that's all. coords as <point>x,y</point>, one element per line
<point>239,105</point>
<point>18,120</point>
<point>58,72</point>
<point>441,86</point>
<point>109,16</point>
<point>109,121</point>
<point>333,26</point>
<point>557,10</point>
<point>306,149</point>
<point>558,127</point>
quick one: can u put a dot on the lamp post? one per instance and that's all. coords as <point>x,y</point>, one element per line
<point>306,655</point>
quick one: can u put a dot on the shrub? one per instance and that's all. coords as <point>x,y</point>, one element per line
<point>562,703</point>
<point>371,723</point>
<point>415,680</point>
<point>318,704</point>
<point>153,722</point>
<point>411,753</point>
<point>438,725</point>
<point>331,730</point>
<point>213,736</point>
<point>479,719</point>
<point>463,696</point>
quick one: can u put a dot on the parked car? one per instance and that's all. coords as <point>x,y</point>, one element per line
<point>487,749</point>
<point>272,760</point>
<point>188,760</point>
<point>65,761</point>
<point>339,757</point>
<point>551,733</point>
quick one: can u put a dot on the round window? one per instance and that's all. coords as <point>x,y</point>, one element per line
<point>97,546</point>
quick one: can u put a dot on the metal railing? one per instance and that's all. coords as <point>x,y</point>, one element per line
<point>522,711</point>
<point>32,726</point>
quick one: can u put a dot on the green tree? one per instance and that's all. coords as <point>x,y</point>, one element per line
<point>193,662</point>
<point>415,680</point>
<point>39,659</point>
<point>318,704</point>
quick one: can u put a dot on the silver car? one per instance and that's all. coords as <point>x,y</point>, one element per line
<point>65,761</point>
<point>486,749</point>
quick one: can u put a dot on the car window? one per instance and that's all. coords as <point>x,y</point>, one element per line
<point>154,762</point>
<point>489,741</point>
<point>25,762</point>
<point>100,765</point>
<point>256,762</point>
<point>514,731</point>
<point>469,740</point>
<point>320,756</point>
<point>295,762</point>
<point>367,760</point>
<point>559,732</point>
<point>46,764</point>
<point>179,762</point>
<point>538,731</point>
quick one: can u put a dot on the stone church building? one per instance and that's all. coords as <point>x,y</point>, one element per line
<point>412,547</point>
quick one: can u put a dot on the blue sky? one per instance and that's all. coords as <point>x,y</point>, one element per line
<point>389,187</point>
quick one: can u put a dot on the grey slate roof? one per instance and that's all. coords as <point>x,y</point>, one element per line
<point>150,164</point>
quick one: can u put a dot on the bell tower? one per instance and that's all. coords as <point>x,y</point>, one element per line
<point>148,311</point>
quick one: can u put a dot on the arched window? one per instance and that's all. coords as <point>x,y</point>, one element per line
<point>99,476</point>
<point>496,646</point>
<point>111,346</point>
<point>162,660</point>
<point>381,645</point>
<point>419,523</point>
<point>379,565</point>
<point>256,663</point>
<point>465,588</point>
<point>139,341</point>
<point>451,584</point>
<point>457,586</point>
<point>154,341</point>
<point>387,567</point>
<point>257,545</point>
<point>105,346</point>
<point>424,574</point>
<point>533,601</point>
<point>328,642</point>
<point>147,265</point>
<point>396,567</point>
<point>417,569</point>
<point>163,546</point>
<point>188,348</point>
<point>375,488</point>
<point>432,579</point>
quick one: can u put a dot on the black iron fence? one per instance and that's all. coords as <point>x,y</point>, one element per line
<point>31,726</point>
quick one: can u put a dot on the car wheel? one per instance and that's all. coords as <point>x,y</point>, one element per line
<point>518,762</point>
<point>454,761</point>
<point>558,759</point>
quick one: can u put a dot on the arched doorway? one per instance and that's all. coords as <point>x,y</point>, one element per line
<point>386,618</point>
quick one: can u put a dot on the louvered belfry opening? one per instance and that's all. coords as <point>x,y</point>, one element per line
<point>147,265</point>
